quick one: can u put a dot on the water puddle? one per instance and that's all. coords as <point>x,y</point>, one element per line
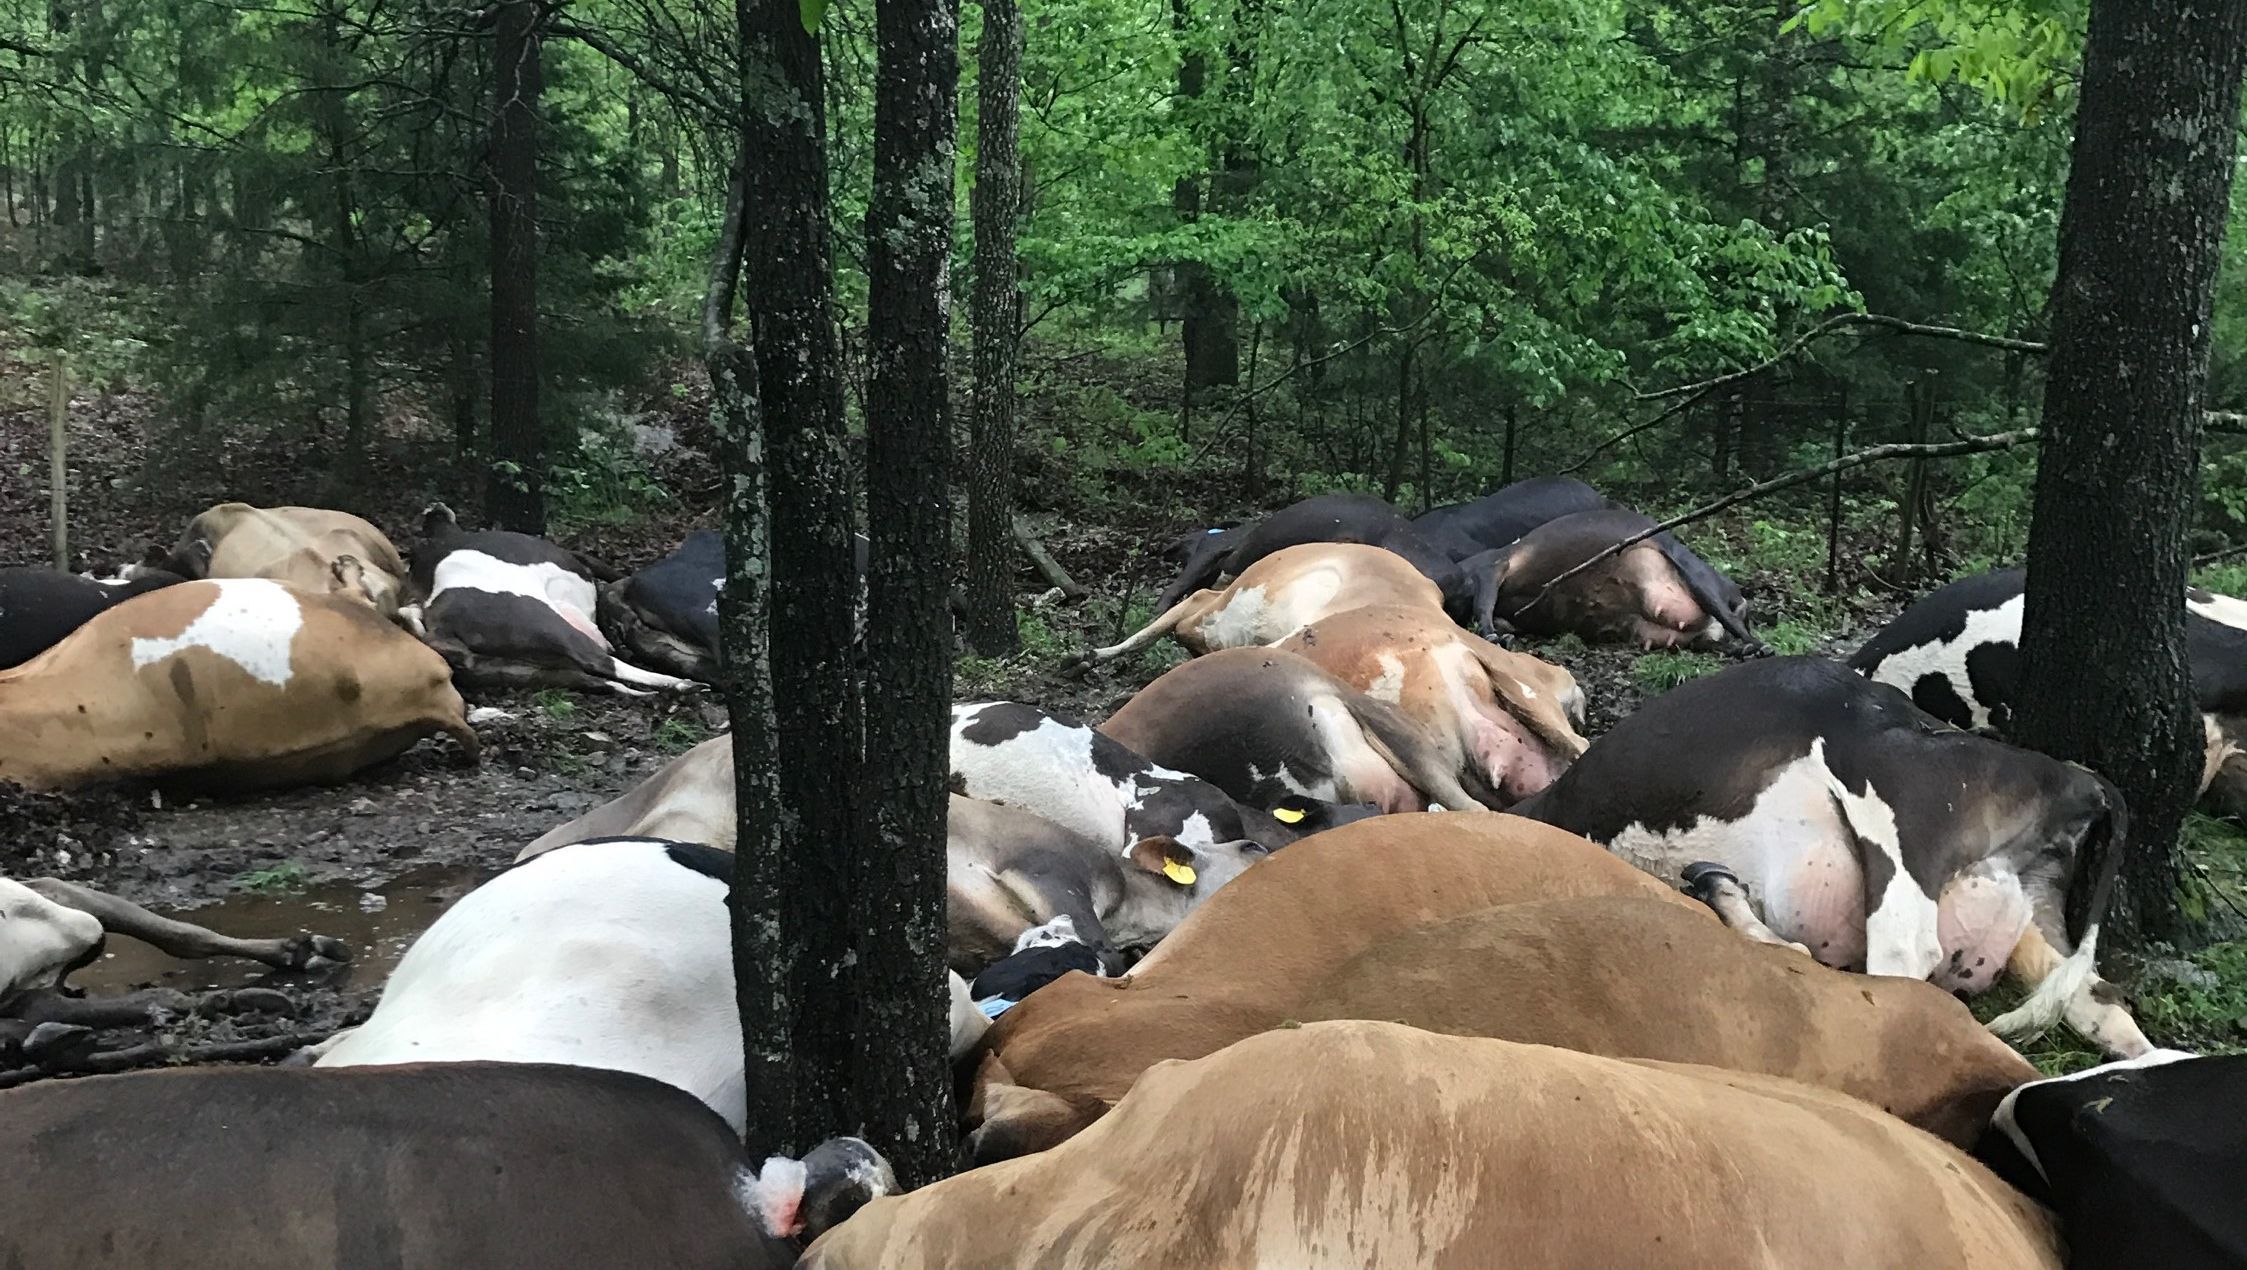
<point>378,923</point>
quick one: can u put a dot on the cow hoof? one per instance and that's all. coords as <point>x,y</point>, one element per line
<point>57,1045</point>
<point>1075,666</point>
<point>1702,877</point>
<point>308,951</point>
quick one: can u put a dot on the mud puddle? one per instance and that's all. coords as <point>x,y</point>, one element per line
<point>378,922</point>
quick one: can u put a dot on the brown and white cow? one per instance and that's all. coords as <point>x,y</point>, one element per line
<point>297,545</point>
<point>1483,925</point>
<point>1263,723</point>
<point>1867,832</point>
<point>1509,715</point>
<point>1281,594</point>
<point>1360,1143</point>
<point>242,683</point>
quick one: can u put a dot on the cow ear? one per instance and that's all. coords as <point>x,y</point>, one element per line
<point>350,577</point>
<point>1294,811</point>
<point>1167,856</point>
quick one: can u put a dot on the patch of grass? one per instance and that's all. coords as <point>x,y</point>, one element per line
<point>1660,672</point>
<point>678,734</point>
<point>2199,1002</point>
<point>554,703</point>
<point>1792,638</point>
<point>277,879</point>
<point>2229,578</point>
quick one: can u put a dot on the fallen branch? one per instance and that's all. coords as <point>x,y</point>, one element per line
<point>1048,568</point>
<point>1841,321</point>
<point>1874,454</point>
<point>2225,554</point>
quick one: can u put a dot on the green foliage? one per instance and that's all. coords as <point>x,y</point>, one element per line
<point>278,879</point>
<point>677,734</point>
<point>1660,672</point>
<point>555,703</point>
<point>2020,52</point>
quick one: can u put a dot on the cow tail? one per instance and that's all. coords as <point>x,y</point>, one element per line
<point>1405,746</point>
<point>2090,889</point>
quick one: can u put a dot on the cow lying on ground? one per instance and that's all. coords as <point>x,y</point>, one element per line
<point>1091,784</point>
<point>1283,593</point>
<point>689,799</point>
<point>1956,652</point>
<point>1645,595</point>
<point>609,953</point>
<point>2141,1159</point>
<point>1358,518</point>
<point>240,684</point>
<point>297,545</point>
<point>499,1166</point>
<point>38,607</point>
<point>1263,724</point>
<point>512,611</point>
<point>50,928</point>
<point>1503,515</point>
<point>1507,715</point>
<point>667,614</point>
<point>1373,1144</point>
<point>1041,955</point>
<point>1482,925</point>
<point>1867,832</point>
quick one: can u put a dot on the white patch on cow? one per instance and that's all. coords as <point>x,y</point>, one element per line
<point>2006,1119</point>
<point>2000,625</point>
<point>251,623</point>
<point>1901,936</point>
<point>1389,684</point>
<point>1061,930</point>
<point>1360,773</point>
<point>569,595</point>
<point>2220,608</point>
<point>717,588</point>
<point>1239,622</point>
<point>1047,770</point>
<point>39,937</point>
<point>774,1195</point>
<point>1197,833</point>
<point>1527,693</point>
<point>1290,782</point>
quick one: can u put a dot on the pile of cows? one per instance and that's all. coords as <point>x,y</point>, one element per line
<point>1250,973</point>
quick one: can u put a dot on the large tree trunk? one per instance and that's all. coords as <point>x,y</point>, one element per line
<point>902,1084</point>
<point>2140,241</point>
<point>814,582</point>
<point>996,206</point>
<point>1211,315</point>
<point>515,492</point>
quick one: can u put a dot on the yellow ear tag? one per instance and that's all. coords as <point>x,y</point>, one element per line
<point>1287,815</point>
<point>1182,874</point>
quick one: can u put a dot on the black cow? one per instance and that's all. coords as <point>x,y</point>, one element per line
<point>2144,1161</point>
<point>667,613</point>
<point>508,611</point>
<point>38,607</point>
<point>1873,836</point>
<point>1498,518</point>
<point>1359,518</point>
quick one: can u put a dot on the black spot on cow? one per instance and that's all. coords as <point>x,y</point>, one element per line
<point>957,784</point>
<point>348,688</point>
<point>1002,721</point>
<point>1116,761</point>
<point>1991,671</point>
<point>1016,976</point>
<point>705,860</point>
<point>1934,694</point>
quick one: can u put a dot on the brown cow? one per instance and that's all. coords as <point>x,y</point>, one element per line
<point>1355,1144</point>
<point>1509,714</point>
<point>1281,594</point>
<point>1491,926</point>
<point>297,545</point>
<point>242,683</point>
<point>1263,724</point>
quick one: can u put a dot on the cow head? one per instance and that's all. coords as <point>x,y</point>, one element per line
<point>806,1198</point>
<point>41,941</point>
<point>1296,816</point>
<point>1198,871</point>
<point>438,520</point>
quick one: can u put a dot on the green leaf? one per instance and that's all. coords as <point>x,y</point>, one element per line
<point>811,11</point>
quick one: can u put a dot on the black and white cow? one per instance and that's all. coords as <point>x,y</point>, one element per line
<point>1091,784</point>
<point>667,613</point>
<point>510,611</point>
<point>609,953</point>
<point>1041,955</point>
<point>2144,1161</point>
<point>1956,652</point>
<point>38,607</point>
<point>1868,833</point>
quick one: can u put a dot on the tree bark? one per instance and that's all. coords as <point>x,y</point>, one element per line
<point>515,490</point>
<point>2141,237</point>
<point>995,206</point>
<point>902,1081</point>
<point>1211,343</point>
<point>815,582</point>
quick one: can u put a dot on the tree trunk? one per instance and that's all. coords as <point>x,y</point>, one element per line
<point>1513,436</point>
<point>344,245</point>
<point>515,491</point>
<point>2141,237</point>
<point>996,206</point>
<point>902,1080</point>
<point>815,581</point>
<point>1212,345</point>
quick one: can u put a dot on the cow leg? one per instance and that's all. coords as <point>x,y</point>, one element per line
<point>2094,1010</point>
<point>2217,750</point>
<point>181,939</point>
<point>1717,887</point>
<point>649,679</point>
<point>1902,935</point>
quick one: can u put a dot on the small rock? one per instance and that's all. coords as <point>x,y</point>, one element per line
<point>373,902</point>
<point>362,807</point>
<point>596,758</point>
<point>602,737</point>
<point>524,774</point>
<point>489,714</point>
<point>262,1001</point>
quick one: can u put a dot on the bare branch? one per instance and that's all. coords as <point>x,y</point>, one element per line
<point>1841,321</point>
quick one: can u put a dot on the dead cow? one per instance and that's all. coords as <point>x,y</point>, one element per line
<point>1362,1143</point>
<point>667,613</point>
<point>1484,925</point>
<point>511,611</point>
<point>240,683</point>
<point>1866,832</point>
<point>38,607</point>
<point>1283,593</point>
<point>1508,715</point>
<point>500,1166</point>
<point>1262,724</point>
<point>689,799</point>
<point>302,546</point>
<point>1089,783</point>
<point>1359,518</point>
<point>1648,595</point>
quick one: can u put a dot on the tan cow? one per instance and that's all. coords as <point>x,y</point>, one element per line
<point>1370,1144</point>
<point>1510,714</point>
<point>1282,593</point>
<point>1483,925</point>
<point>242,683</point>
<point>297,545</point>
